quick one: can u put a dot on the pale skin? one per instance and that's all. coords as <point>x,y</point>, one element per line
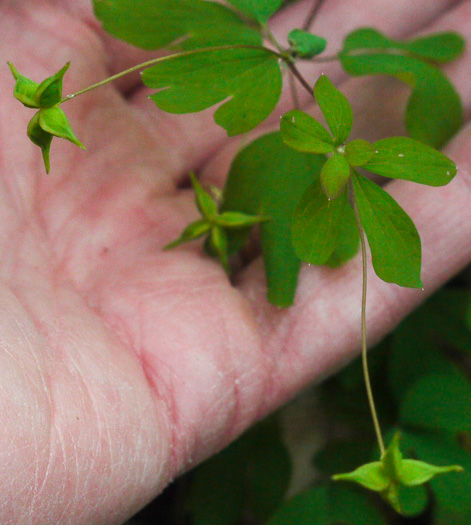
<point>121,366</point>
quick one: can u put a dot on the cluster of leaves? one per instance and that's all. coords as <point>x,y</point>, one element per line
<point>426,395</point>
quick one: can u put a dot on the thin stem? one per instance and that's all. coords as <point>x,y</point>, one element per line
<point>154,61</point>
<point>301,79</point>
<point>312,14</point>
<point>369,390</point>
<point>293,90</point>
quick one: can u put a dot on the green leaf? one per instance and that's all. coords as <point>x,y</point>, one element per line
<point>306,45</point>
<point>408,159</point>
<point>193,231</point>
<point>438,47</point>
<point>250,476</point>
<point>348,241</point>
<point>153,24</point>
<point>434,111</point>
<point>335,108</point>
<point>268,178</point>
<point>358,152</point>
<point>49,92</point>
<point>250,78</point>
<point>260,10</point>
<point>304,133</point>
<point>438,401</point>
<point>334,176</point>
<point>25,88</point>
<point>53,121</point>
<point>392,236</point>
<point>329,505</point>
<point>316,224</point>
<point>40,138</point>
<point>204,201</point>
<point>236,219</point>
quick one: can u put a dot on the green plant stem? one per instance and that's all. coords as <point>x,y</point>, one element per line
<point>369,390</point>
<point>294,91</point>
<point>154,61</point>
<point>312,14</point>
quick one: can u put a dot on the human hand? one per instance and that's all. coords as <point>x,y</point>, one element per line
<point>122,365</point>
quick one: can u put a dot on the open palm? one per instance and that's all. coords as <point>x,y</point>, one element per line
<point>122,365</point>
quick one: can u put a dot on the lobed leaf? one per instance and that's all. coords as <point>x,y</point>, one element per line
<point>249,78</point>
<point>188,24</point>
<point>434,111</point>
<point>409,159</point>
<point>268,178</point>
<point>335,108</point>
<point>438,47</point>
<point>392,236</point>
<point>304,133</point>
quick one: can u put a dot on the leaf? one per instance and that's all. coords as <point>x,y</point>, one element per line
<point>306,45</point>
<point>392,236</point>
<point>439,47</point>
<point>154,24</point>
<point>358,152</point>
<point>204,201</point>
<point>316,224</point>
<point>49,92</point>
<point>304,133</point>
<point>334,176</point>
<point>328,505</point>
<point>268,178</point>
<point>348,241</point>
<point>249,476</point>
<point>335,108</point>
<point>193,231</point>
<point>438,401</point>
<point>434,111</point>
<point>408,159</point>
<point>250,78</point>
<point>260,10</point>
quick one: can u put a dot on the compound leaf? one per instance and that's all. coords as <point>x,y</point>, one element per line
<point>250,78</point>
<point>153,24</point>
<point>409,159</point>
<point>334,175</point>
<point>392,236</point>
